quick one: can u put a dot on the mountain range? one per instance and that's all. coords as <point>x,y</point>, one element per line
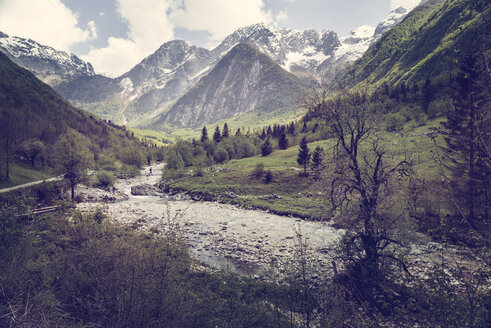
<point>169,86</point>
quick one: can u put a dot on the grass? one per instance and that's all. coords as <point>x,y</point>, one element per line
<point>20,174</point>
<point>300,196</point>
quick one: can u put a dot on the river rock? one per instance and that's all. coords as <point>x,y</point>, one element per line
<point>144,190</point>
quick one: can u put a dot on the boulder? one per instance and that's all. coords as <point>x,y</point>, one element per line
<point>144,190</point>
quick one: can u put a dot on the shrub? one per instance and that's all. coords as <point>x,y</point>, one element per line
<point>105,179</point>
<point>268,178</point>
<point>221,155</point>
<point>394,122</point>
<point>258,170</point>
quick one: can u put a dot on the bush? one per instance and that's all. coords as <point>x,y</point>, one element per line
<point>394,122</point>
<point>269,177</point>
<point>221,155</point>
<point>437,108</point>
<point>258,170</point>
<point>128,171</point>
<point>105,179</point>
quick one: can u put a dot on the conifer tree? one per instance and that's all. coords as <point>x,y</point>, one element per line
<point>217,136</point>
<point>317,162</point>
<point>204,134</point>
<point>283,141</point>
<point>225,133</point>
<point>263,135</point>
<point>238,133</point>
<point>304,128</point>
<point>266,148</point>
<point>303,157</point>
<point>467,131</point>
<point>291,129</point>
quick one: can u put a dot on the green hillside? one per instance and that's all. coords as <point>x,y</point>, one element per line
<point>32,115</point>
<point>428,43</point>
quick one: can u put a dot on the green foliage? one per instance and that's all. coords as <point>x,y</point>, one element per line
<point>303,157</point>
<point>105,179</point>
<point>221,155</point>
<point>268,177</point>
<point>72,159</point>
<point>133,157</point>
<point>266,148</point>
<point>394,122</point>
<point>258,170</point>
<point>174,161</point>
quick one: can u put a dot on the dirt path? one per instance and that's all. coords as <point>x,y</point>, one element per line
<point>29,184</point>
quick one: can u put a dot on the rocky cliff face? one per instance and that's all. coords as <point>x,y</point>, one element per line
<point>49,65</point>
<point>244,80</point>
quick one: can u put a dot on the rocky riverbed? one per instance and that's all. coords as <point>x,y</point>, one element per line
<point>219,235</point>
<point>223,235</point>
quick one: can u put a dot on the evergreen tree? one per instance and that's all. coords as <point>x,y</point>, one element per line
<point>283,141</point>
<point>217,136</point>
<point>263,135</point>
<point>317,162</point>
<point>204,134</point>
<point>467,131</point>
<point>269,132</point>
<point>304,128</point>
<point>291,129</point>
<point>303,157</point>
<point>225,133</point>
<point>238,133</point>
<point>266,148</point>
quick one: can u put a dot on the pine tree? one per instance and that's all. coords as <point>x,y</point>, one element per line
<point>217,136</point>
<point>317,162</point>
<point>303,157</point>
<point>283,141</point>
<point>225,133</point>
<point>304,128</point>
<point>204,134</point>
<point>266,148</point>
<point>263,135</point>
<point>238,133</point>
<point>467,131</point>
<point>291,129</point>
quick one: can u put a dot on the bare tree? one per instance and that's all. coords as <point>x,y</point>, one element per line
<point>361,181</point>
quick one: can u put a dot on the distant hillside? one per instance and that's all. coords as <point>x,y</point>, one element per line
<point>31,110</point>
<point>425,44</point>
<point>245,80</point>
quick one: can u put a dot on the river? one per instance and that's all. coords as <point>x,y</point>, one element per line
<point>219,235</point>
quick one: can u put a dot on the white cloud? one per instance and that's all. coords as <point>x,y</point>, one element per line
<point>409,4</point>
<point>92,29</point>
<point>220,17</point>
<point>149,27</point>
<point>46,21</point>
<point>282,16</point>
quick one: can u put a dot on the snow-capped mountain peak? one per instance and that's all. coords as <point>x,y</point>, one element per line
<point>50,65</point>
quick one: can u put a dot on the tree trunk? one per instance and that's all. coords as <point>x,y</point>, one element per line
<point>73,191</point>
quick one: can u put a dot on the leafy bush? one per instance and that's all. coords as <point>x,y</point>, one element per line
<point>258,170</point>
<point>394,122</point>
<point>221,155</point>
<point>128,171</point>
<point>105,179</point>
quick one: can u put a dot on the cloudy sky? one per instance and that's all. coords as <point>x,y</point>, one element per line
<point>114,35</point>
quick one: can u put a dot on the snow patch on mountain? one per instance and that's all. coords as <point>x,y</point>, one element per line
<point>355,43</point>
<point>50,65</point>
